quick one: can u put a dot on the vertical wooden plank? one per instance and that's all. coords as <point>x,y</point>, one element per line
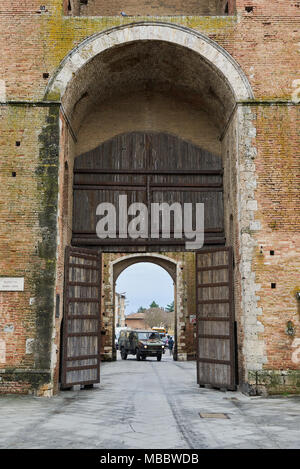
<point>81,322</point>
<point>215,318</point>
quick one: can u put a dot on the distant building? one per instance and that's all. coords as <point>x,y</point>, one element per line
<point>149,318</point>
<point>135,321</point>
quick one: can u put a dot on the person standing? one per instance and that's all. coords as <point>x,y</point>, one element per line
<point>170,344</point>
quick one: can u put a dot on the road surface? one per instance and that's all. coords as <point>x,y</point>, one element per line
<point>147,405</point>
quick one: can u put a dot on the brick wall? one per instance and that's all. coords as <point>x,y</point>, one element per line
<point>277,259</point>
<point>28,239</point>
<point>37,43</point>
<point>265,42</point>
<point>269,8</point>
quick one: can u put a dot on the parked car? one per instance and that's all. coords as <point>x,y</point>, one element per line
<point>142,343</point>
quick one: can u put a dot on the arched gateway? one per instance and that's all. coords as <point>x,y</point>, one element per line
<point>210,51</point>
<point>149,112</point>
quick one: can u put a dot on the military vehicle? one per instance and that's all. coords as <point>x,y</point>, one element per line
<point>142,343</point>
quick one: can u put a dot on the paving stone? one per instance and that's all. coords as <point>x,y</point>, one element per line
<point>145,406</point>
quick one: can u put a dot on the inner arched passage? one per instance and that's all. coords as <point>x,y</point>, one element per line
<point>148,278</point>
<point>169,266</point>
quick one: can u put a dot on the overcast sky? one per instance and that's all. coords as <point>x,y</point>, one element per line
<point>143,283</point>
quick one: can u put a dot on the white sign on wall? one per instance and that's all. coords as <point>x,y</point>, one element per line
<point>11,283</point>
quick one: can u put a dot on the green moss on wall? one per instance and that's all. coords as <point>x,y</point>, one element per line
<point>274,382</point>
<point>44,273</point>
<point>31,381</point>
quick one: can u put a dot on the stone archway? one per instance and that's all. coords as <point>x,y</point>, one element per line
<point>117,264</point>
<point>235,129</point>
<point>166,263</point>
<point>195,41</point>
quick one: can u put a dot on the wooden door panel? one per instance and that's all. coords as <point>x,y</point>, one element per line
<point>81,324</point>
<point>210,348</point>
<point>215,319</point>
<point>214,373</point>
<point>147,167</point>
<point>214,327</point>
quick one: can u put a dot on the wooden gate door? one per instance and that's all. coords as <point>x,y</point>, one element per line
<point>215,319</point>
<point>81,322</point>
<point>148,168</point>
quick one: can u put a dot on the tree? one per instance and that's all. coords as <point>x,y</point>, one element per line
<point>154,304</point>
<point>141,309</point>
<point>170,307</point>
<point>159,317</point>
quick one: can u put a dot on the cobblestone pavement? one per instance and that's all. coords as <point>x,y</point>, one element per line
<point>148,405</point>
